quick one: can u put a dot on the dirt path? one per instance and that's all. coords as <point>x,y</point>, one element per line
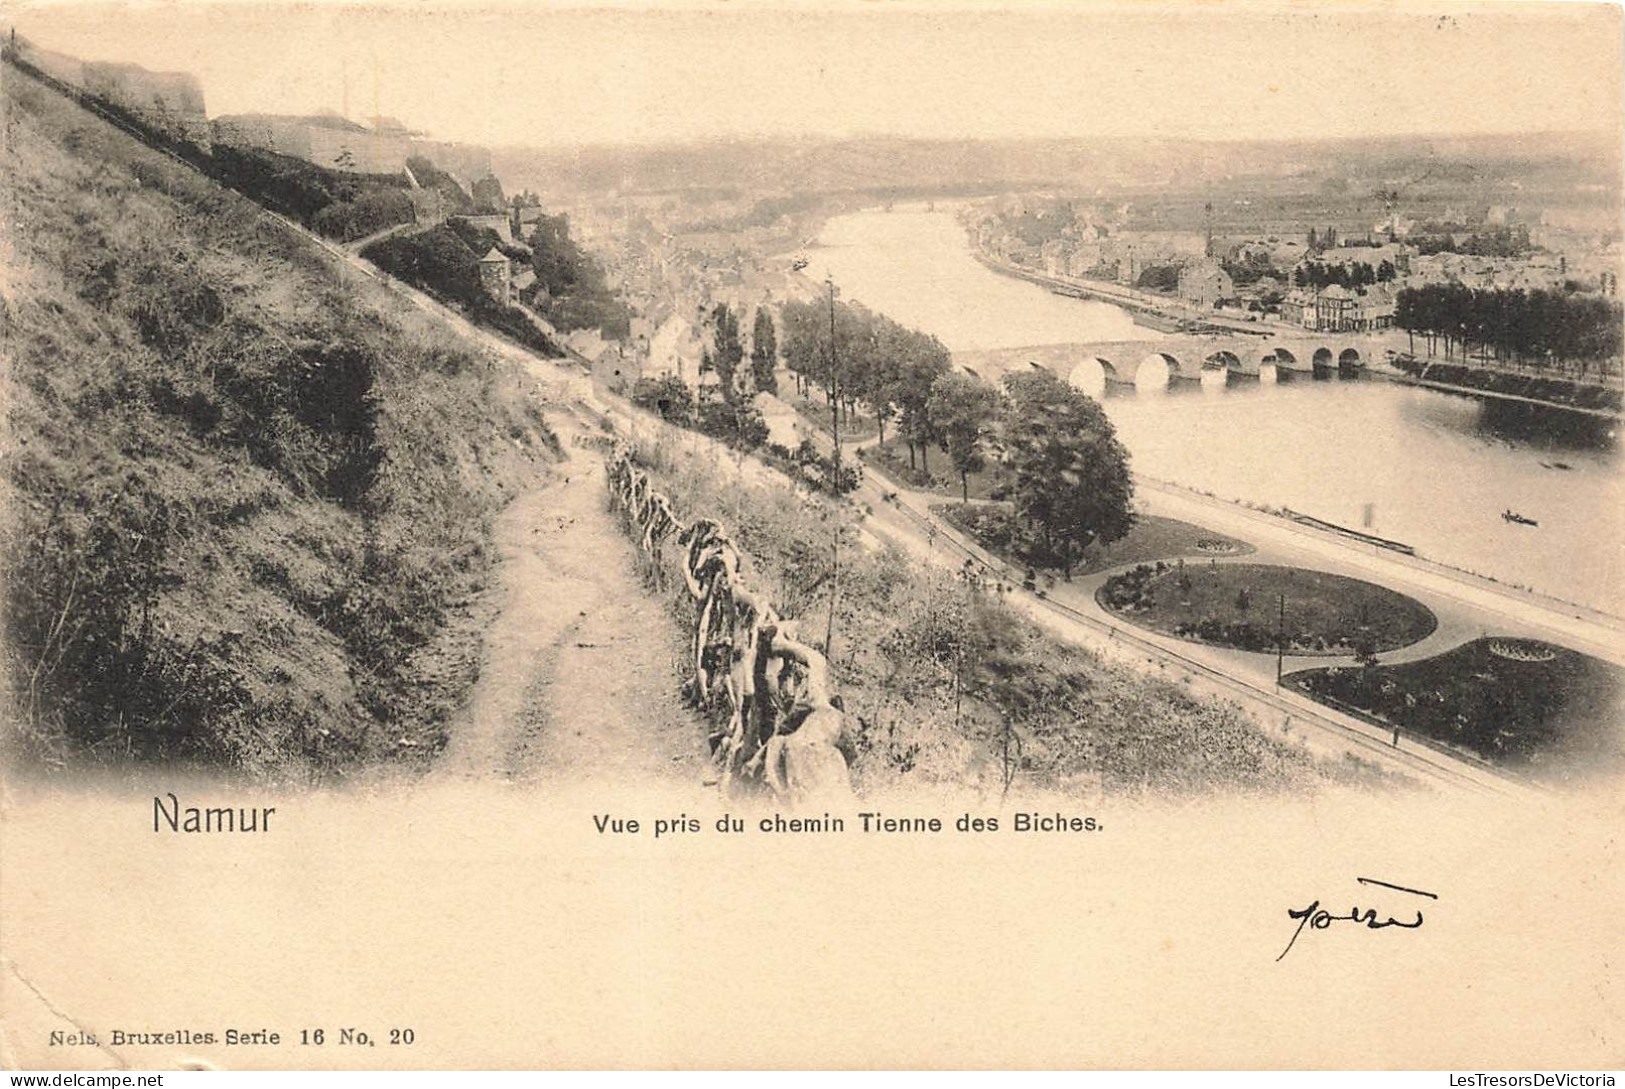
<point>579,678</point>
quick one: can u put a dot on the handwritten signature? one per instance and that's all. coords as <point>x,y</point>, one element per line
<point>1317,918</point>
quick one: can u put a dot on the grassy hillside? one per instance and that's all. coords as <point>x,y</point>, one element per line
<point>248,498</point>
<point>949,685</point>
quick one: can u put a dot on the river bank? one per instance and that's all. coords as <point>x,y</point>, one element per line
<point>1432,469</point>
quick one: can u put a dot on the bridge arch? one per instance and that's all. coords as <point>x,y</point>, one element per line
<point>1155,370</point>
<point>1090,374</point>
<point>1350,360</point>
<point>1219,368</point>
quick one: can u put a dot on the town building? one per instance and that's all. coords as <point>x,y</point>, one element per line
<point>1298,308</point>
<point>674,349</point>
<point>1203,283</point>
<point>1374,308</point>
<point>1337,309</point>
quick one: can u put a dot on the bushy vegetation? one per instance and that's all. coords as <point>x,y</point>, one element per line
<point>368,213</point>
<point>441,262</point>
<point>570,290</point>
<point>249,502</point>
<point>1556,388</point>
<point>667,397</point>
<point>488,196</point>
<point>1159,278</point>
<point>737,423</point>
<point>338,204</point>
<point>947,684</point>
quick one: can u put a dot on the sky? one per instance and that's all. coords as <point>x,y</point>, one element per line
<point>542,74</point>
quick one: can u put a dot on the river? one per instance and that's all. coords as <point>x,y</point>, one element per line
<point>1412,465</point>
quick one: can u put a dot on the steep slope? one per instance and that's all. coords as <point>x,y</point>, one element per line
<point>249,493</point>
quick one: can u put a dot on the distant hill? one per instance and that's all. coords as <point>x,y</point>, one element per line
<point>894,163</point>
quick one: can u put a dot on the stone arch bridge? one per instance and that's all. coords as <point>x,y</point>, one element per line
<point>1184,358</point>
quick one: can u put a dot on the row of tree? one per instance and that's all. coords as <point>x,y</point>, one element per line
<point>870,361</point>
<point>1317,275</point>
<point>1487,241</point>
<point>1068,473</point>
<point>1534,326</point>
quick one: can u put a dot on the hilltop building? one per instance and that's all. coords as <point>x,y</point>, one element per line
<point>337,143</point>
<point>495,276</point>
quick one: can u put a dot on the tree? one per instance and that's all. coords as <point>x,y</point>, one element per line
<point>1159,278</point>
<point>964,410</point>
<point>729,352</point>
<point>923,361</point>
<point>1071,476</point>
<point>764,352</point>
<point>488,195</point>
<point>558,261</point>
<point>738,424</point>
<point>885,366</point>
<point>667,396</point>
<point>571,291</point>
<point>1526,326</point>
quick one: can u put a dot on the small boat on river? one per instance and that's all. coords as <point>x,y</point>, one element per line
<point>1517,519</point>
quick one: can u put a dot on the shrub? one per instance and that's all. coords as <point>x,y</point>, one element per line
<point>436,260</point>
<point>367,214</point>
<point>668,397</point>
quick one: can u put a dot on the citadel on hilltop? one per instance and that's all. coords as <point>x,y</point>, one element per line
<point>173,103</point>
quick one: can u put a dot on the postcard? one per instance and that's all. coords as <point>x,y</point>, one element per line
<point>844,536</point>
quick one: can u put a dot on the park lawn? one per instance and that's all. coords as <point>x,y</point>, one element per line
<point>1551,719</point>
<point>1236,605</point>
<point>857,428</point>
<point>891,458</point>
<point>997,528</point>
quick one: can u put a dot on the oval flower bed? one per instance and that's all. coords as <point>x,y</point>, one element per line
<point>1238,605</point>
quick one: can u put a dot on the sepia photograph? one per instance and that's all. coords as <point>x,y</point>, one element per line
<point>831,535</point>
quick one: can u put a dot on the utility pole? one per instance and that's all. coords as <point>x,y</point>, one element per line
<point>835,381</point>
<point>1280,638</point>
<point>835,537</point>
<point>834,587</point>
